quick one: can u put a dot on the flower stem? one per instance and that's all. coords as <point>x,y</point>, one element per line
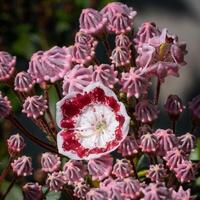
<point>34,139</point>
<point>58,91</point>
<point>156,98</point>
<point>174,125</point>
<point>6,170</point>
<point>9,188</point>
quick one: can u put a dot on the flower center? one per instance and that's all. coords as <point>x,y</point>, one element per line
<point>101,126</point>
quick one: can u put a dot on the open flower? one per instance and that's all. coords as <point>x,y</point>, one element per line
<point>94,123</point>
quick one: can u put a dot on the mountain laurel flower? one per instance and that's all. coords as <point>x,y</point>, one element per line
<point>92,22</point>
<point>128,147</point>
<point>105,74</point>
<point>134,83</point>
<point>185,171</point>
<point>122,168</point>
<point>77,79</point>
<point>194,107</point>
<point>120,17</point>
<point>32,191</point>
<point>93,123</point>
<point>7,64</point>
<point>50,162</point>
<point>15,144</point>
<point>55,181</point>
<point>82,53</point>
<point>23,82</point>
<point>157,173</point>
<point>146,112</point>
<point>50,65</point>
<point>121,56</point>
<point>34,106</point>
<point>96,194</point>
<point>122,40</point>
<point>5,106</point>
<point>174,157</point>
<point>74,171</point>
<point>174,106</point>
<point>85,39</point>
<point>100,168</point>
<point>146,31</point>
<point>187,142</point>
<point>156,191</point>
<point>22,166</point>
<point>148,143</point>
<point>130,188</point>
<point>166,140</point>
<point>81,189</point>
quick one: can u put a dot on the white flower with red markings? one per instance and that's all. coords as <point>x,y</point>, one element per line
<point>93,123</point>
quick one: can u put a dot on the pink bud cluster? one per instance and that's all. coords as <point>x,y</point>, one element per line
<point>107,117</point>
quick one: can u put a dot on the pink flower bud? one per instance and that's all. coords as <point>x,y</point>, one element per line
<point>194,106</point>
<point>122,40</point>
<point>22,166</point>
<point>122,168</point>
<point>7,64</point>
<point>50,162</point>
<point>81,189</point>
<point>157,173</point>
<point>23,82</point>
<point>15,144</point>
<point>34,106</point>
<point>5,106</point>
<point>96,194</point>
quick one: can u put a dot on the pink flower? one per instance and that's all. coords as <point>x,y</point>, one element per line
<point>173,158</point>
<point>50,65</point>
<point>85,39</point>
<point>185,172</point>
<point>146,31</point>
<point>81,189</point>
<point>159,56</point>
<point>174,106</point>
<point>7,64</point>
<point>91,21</point>
<point>122,40</point>
<point>146,112</point>
<point>34,106</point>
<point>128,147</point>
<point>15,144</point>
<point>157,173</point>
<point>121,56</point>
<point>55,181</point>
<point>120,17</point>
<point>166,140</point>
<point>77,79</point>
<point>82,54</point>
<point>96,194</point>
<point>23,82</point>
<point>5,106</point>
<point>148,143</point>
<point>134,83</point>
<point>156,191</point>
<point>122,168</point>
<point>106,74</point>
<point>130,188</point>
<point>194,107</point>
<point>187,142</point>
<point>32,191</point>
<point>74,171</point>
<point>50,162</point>
<point>93,123</point>
<point>100,168</point>
<point>22,166</point>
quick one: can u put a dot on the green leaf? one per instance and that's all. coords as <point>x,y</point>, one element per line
<point>53,195</point>
<point>14,194</point>
<point>142,173</point>
<point>195,155</point>
<point>142,162</point>
<point>198,181</point>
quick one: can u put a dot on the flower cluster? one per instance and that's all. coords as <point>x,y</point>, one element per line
<point>105,120</point>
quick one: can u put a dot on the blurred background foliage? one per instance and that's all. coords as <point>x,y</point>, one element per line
<point>27,26</point>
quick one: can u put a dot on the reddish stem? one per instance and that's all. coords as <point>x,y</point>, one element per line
<point>156,98</point>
